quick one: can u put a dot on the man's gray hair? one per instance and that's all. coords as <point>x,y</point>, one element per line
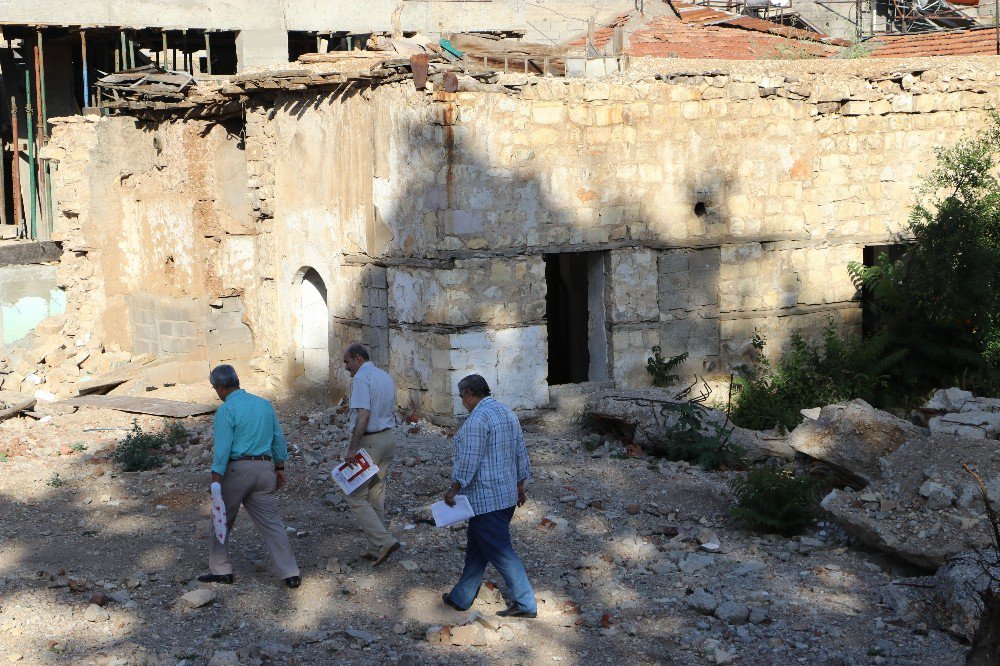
<point>474,384</point>
<point>357,349</point>
<point>224,376</point>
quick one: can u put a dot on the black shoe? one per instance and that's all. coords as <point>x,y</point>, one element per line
<point>446,598</point>
<point>514,611</point>
<point>293,581</point>
<point>225,579</point>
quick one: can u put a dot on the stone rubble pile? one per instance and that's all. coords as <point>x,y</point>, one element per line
<point>59,361</point>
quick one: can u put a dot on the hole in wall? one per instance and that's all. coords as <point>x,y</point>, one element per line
<point>700,209</point>
<point>574,313</point>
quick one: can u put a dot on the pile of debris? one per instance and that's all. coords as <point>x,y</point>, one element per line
<point>59,361</point>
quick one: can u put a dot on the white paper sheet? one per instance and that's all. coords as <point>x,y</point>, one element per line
<point>218,512</point>
<point>445,515</point>
<point>350,478</point>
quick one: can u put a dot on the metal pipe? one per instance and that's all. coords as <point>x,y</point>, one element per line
<point>43,107</point>
<point>124,51</point>
<point>31,154</point>
<point>86,73</point>
<point>173,53</point>
<point>131,52</point>
<point>163,49</point>
<point>186,56</point>
<point>48,198</point>
<point>40,129</point>
<point>15,164</point>
<point>208,53</point>
<point>117,68</point>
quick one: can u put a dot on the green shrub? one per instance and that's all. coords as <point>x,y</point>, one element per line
<point>591,442</point>
<point>697,440</point>
<point>660,369</point>
<point>138,451</point>
<point>55,480</point>
<point>811,375</point>
<point>772,499</point>
<point>942,301</point>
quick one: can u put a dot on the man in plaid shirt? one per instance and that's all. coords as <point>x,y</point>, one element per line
<point>490,468</point>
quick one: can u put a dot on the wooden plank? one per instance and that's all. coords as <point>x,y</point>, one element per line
<point>153,406</point>
<point>16,409</point>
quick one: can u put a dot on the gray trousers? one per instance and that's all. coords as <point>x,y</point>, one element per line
<point>252,484</point>
<point>367,503</point>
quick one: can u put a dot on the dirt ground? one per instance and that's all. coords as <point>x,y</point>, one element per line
<point>597,538</point>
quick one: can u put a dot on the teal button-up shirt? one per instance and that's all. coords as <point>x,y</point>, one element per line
<point>246,425</point>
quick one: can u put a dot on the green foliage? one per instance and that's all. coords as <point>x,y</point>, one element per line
<point>942,301</point>
<point>697,440</point>
<point>55,480</point>
<point>858,50</point>
<point>772,499</point>
<point>591,442</point>
<point>175,432</point>
<point>810,375</point>
<point>78,447</point>
<point>4,458</point>
<point>660,369</point>
<point>138,451</point>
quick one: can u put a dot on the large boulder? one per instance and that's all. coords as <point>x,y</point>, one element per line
<point>852,437</point>
<point>924,508</point>
<point>950,600</point>
<point>645,417</point>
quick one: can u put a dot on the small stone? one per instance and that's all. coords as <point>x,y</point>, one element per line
<point>632,509</point>
<point>333,565</point>
<point>95,613</point>
<point>733,612</point>
<point>487,622</point>
<point>702,601</point>
<point>758,614</point>
<point>410,565</point>
<point>14,657</point>
<point>224,658</point>
<point>724,656</point>
<point>695,561</point>
<point>99,598</point>
<point>365,637</point>
<point>198,598</point>
<point>438,635</point>
<point>468,634</point>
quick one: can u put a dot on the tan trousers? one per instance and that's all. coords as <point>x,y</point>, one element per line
<point>252,484</point>
<point>367,503</point>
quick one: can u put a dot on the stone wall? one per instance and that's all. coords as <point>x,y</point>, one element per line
<point>719,204</point>
<point>157,237</point>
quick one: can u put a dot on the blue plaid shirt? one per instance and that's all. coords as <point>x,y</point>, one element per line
<point>490,457</point>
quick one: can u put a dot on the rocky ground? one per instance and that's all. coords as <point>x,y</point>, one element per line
<point>634,560</point>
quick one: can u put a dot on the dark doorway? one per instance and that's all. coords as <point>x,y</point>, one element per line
<point>574,309</point>
<point>894,252</point>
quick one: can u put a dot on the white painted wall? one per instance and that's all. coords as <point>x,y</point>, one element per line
<point>313,331</point>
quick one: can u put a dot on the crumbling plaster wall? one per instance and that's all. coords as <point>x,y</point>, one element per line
<point>157,236</point>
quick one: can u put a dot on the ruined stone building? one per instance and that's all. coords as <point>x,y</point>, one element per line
<point>544,232</point>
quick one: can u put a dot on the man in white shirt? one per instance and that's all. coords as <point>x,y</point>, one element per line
<point>373,428</point>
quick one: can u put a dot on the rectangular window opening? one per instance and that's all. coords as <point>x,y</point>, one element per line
<point>894,251</point>
<point>574,310</point>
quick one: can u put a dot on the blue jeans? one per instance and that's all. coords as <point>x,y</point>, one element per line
<point>489,543</point>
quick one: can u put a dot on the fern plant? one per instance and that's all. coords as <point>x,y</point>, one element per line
<point>694,439</point>
<point>772,499</point>
<point>660,368</point>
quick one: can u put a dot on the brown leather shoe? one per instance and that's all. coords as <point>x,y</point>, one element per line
<point>384,555</point>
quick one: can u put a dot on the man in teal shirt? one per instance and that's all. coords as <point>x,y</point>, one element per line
<point>249,464</point>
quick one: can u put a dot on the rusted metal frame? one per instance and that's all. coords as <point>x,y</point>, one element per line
<point>131,52</point>
<point>40,132</point>
<point>32,231</point>
<point>15,166</point>
<point>163,48</point>
<point>43,137</point>
<point>86,73</point>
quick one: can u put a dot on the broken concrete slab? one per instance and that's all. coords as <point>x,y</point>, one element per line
<point>852,437</point>
<point>644,417</point>
<point>967,424</point>
<point>925,528</point>
<point>154,406</point>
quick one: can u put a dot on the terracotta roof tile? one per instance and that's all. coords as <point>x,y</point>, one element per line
<point>976,41</point>
<point>703,32</point>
